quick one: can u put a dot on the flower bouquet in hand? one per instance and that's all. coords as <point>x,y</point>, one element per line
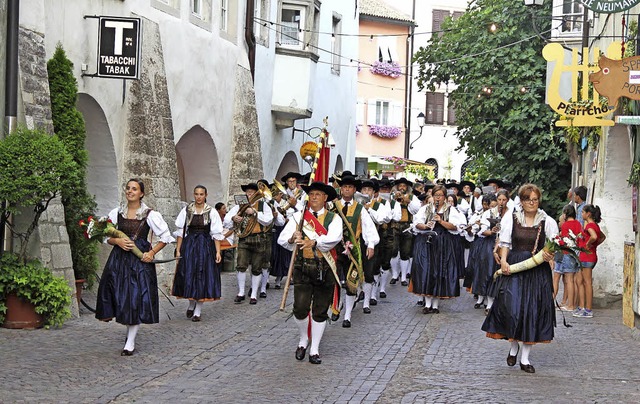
<point>566,244</point>
<point>98,229</point>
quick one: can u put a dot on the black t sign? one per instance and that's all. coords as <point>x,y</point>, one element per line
<point>119,48</point>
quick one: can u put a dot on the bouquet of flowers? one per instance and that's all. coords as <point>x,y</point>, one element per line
<point>566,244</point>
<point>98,229</point>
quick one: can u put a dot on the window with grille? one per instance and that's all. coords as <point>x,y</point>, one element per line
<point>291,26</point>
<point>433,162</point>
<point>572,14</point>
<point>336,43</point>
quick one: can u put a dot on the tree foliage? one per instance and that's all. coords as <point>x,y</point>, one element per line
<point>503,122</point>
<point>34,168</point>
<point>69,125</point>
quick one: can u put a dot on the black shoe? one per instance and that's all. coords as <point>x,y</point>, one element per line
<point>315,359</point>
<point>427,310</point>
<point>238,299</point>
<point>366,310</point>
<point>253,301</point>
<point>511,360</point>
<point>267,285</point>
<point>360,297</point>
<point>435,311</point>
<point>189,313</point>
<point>527,368</point>
<point>383,295</point>
<point>263,295</point>
<point>335,317</point>
<point>277,286</point>
<point>126,353</point>
<point>404,283</point>
<point>393,281</point>
<point>373,302</point>
<point>420,302</point>
<point>477,305</point>
<point>346,324</point>
<point>195,319</point>
<point>300,352</point>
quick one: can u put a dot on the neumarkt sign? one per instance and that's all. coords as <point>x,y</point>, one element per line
<point>609,6</point>
<point>119,47</point>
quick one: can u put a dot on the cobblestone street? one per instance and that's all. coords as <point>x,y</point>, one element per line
<point>242,353</point>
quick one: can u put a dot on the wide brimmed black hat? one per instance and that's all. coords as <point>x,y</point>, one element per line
<point>369,183</point>
<point>453,185</point>
<point>347,178</point>
<point>265,182</point>
<point>385,183</point>
<point>403,180</point>
<point>507,184</point>
<point>494,181</point>
<point>321,186</point>
<point>469,183</point>
<point>291,174</point>
<point>251,185</point>
<point>376,184</point>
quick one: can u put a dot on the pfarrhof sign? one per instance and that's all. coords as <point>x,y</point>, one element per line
<point>119,48</point>
<point>609,6</point>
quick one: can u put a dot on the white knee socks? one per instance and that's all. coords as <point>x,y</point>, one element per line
<point>317,329</point>
<point>384,278</point>
<point>192,304</point>
<point>524,358</point>
<point>255,285</point>
<point>303,326</point>
<point>514,348</point>
<point>368,288</point>
<point>242,277</point>
<point>265,280</point>
<point>132,331</point>
<point>489,302</point>
<point>427,301</point>
<point>348,306</point>
<point>404,269</point>
<point>434,302</point>
<point>395,267</point>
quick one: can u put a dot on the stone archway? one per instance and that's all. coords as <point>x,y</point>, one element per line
<point>198,164</point>
<point>289,163</point>
<point>102,167</point>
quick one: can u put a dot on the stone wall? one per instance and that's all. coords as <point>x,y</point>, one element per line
<point>246,154</point>
<point>149,149</point>
<point>51,236</point>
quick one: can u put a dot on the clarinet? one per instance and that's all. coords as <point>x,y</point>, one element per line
<point>432,223</point>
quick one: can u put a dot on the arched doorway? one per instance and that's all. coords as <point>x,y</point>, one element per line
<point>289,163</point>
<point>102,167</point>
<point>433,162</point>
<point>198,165</point>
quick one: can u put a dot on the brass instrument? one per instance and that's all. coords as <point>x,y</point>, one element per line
<point>246,227</point>
<point>361,198</point>
<point>284,203</point>
<point>431,224</point>
<point>401,197</point>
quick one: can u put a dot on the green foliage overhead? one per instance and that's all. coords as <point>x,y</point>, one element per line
<point>69,125</point>
<point>503,123</point>
<point>30,281</point>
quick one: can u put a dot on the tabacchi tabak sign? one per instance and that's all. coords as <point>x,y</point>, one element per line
<point>119,47</point>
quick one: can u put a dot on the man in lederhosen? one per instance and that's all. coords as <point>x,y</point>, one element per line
<point>252,248</point>
<point>389,238</point>
<point>314,276</point>
<point>366,236</point>
<point>380,213</point>
<point>409,206</point>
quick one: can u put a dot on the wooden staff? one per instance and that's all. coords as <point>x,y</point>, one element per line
<point>312,177</point>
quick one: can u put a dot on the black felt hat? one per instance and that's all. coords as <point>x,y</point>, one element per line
<point>347,178</point>
<point>469,183</point>
<point>321,186</point>
<point>251,185</point>
<point>385,183</point>
<point>403,180</point>
<point>369,183</point>
<point>291,174</point>
<point>494,181</point>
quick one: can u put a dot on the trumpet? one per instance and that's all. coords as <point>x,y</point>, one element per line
<point>284,202</point>
<point>245,228</point>
<point>361,198</point>
<point>402,197</point>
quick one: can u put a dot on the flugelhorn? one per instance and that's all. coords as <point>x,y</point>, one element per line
<point>244,228</point>
<point>284,203</point>
<point>430,222</point>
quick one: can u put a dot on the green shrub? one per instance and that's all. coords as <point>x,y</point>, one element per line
<point>31,281</point>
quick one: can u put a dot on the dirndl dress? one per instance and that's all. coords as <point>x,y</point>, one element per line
<point>482,264</point>
<point>197,275</point>
<point>436,264</point>
<point>523,307</point>
<point>128,289</point>
<point>280,256</point>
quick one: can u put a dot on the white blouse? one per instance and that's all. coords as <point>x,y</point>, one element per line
<point>216,231</point>
<point>154,220</point>
<point>506,226</point>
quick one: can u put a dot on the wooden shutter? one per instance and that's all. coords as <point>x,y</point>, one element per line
<point>451,113</point>
<point>396,115</point>
<point>435,109</point>
<point>371,112</point>
<point>437,18</point>
<point>360,111</point>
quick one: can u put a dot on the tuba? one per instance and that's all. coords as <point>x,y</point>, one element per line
<point>248,224</point>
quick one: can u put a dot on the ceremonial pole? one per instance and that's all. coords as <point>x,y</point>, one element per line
<point>314,169</point>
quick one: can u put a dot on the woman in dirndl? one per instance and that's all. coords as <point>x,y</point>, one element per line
<point>128,289</point>
<point>523,307</point>
<point>199,232</point>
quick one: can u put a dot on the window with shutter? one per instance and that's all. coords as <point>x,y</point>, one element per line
<point>435,109</point>
<point>360,111</point>
<point>451,113</point>
<point>436,22</point>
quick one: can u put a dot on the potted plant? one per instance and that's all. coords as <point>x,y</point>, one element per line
<point>35,168</point>
<point>31,287</point>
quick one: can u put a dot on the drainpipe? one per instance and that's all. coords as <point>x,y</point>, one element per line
<point>250,38</point>
<point>409,85</point>
<point>11,86</point>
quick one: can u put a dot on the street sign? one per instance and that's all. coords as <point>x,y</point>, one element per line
<point>119,47</point>
<point>628,119</point>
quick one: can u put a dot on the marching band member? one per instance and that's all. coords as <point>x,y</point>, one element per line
<point>366,236</point>
<point>389,237</point>
<point>435,269</point>
<point>409,206</point>
<point>280,256</point>
<point>314,276</point>
<point>253,244</point>
<point>380,213</point>
<point>295,194</point>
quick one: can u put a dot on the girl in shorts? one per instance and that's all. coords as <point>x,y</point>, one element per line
<point>591,237</point>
